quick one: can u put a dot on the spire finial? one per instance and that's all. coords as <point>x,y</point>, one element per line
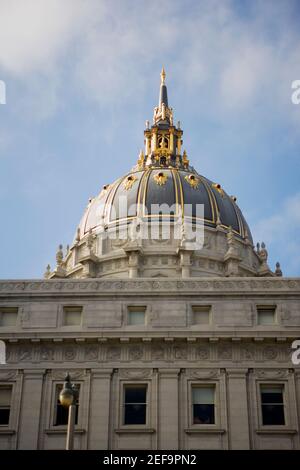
<point>162,76</point>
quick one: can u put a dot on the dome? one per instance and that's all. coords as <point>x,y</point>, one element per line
<point>115,237</point>
<point>168,192</point>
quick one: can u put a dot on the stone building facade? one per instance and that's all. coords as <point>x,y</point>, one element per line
<point>171,345</point>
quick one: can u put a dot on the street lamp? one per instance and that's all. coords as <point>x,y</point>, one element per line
<point>68,397</point>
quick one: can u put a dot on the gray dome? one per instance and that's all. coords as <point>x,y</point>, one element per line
<point>115,237</point>
<point>145,196</point>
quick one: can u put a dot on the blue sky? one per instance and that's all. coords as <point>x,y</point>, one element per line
<point>83,76</point>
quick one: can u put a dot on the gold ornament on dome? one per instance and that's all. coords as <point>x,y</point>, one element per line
<point>192,180</point>
<point>218,187</point>
<point>129,182</point>
<point>160,178</point>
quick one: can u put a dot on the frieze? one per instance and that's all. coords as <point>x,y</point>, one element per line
<point>75,374</point>
<point>8,375</point>
<point>177,351</point>
<point>202,373</point>
<point>271,373</point>
<point>192,285</point>
<point>135,373</point>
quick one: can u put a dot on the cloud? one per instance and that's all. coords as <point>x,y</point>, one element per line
<point>111,49</point>
<point>35,33</point>
<point>281,232</point>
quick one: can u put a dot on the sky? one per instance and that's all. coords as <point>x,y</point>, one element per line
<point>82,77</point>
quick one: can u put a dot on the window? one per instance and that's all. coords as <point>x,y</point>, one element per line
<point>266,315</point>
<point>272,404</point>
<point>72,316</point>
<point>201,314</point>
<point>8,316</point>
<point>203,404</point>
<point>135,404</point>
<point>136,316</point>
<point>61,413</point>
<point>5,400</point>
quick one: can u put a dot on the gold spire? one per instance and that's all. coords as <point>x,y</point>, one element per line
<point>162,76</point>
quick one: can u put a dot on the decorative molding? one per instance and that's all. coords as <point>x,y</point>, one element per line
<point>135,373</point>
<point>8,375</point>
<point>127,286</point>
<point>75,374</point>
<point>179,350</point>
<point>202,373</point>
<point>271,373</point>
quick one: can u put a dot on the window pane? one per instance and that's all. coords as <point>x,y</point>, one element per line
<point>203,395</point>
<point>5,396</point>
<point>135,394</point>
<point>266,316</point>
<point>135,414</point>
<point>136,318</point>
<point>201,315</point>
<point>203,414</point>
<point>269,398</point>
<point>8,316</point>
<point>4,416</point>
<point>273,414</point>
<point>72,316</point>
<point>62,413</point>
<point>135,404</point>
<point>272,405</point>
<point>136,315</point>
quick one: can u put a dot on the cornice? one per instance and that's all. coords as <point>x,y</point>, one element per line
<point>145,286</point>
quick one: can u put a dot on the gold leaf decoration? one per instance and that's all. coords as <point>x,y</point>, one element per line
<point>129,182</point>
<point>218,188</point>
<point>192,180</point>
<point>160,178</point>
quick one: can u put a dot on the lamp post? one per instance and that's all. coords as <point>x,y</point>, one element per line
<point>67,398</point>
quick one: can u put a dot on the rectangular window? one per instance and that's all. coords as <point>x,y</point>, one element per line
<point>62,413</point>
<point>135,404</point>
<point>8,316</point>
<point>136,316</point>
<point>266,315</point>
<point>272,405</point>
<point>5,401</point>
<point>72,316</point>
<point>201,314</point>
<point>203,404</point>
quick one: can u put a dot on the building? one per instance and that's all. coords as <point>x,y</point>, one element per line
<point>173,345</point>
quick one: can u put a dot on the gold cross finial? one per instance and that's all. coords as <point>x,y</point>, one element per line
<point>162,76</point>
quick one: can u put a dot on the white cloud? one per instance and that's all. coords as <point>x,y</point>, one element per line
<point>34,33</point>
<point>281,232</point>
<point>112,49</point>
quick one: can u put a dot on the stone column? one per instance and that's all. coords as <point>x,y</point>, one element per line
<point>185,262</point>
<point>168,416</point>
<point>238,417</point>
<point>28,432</point>
<point>99,407</point>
